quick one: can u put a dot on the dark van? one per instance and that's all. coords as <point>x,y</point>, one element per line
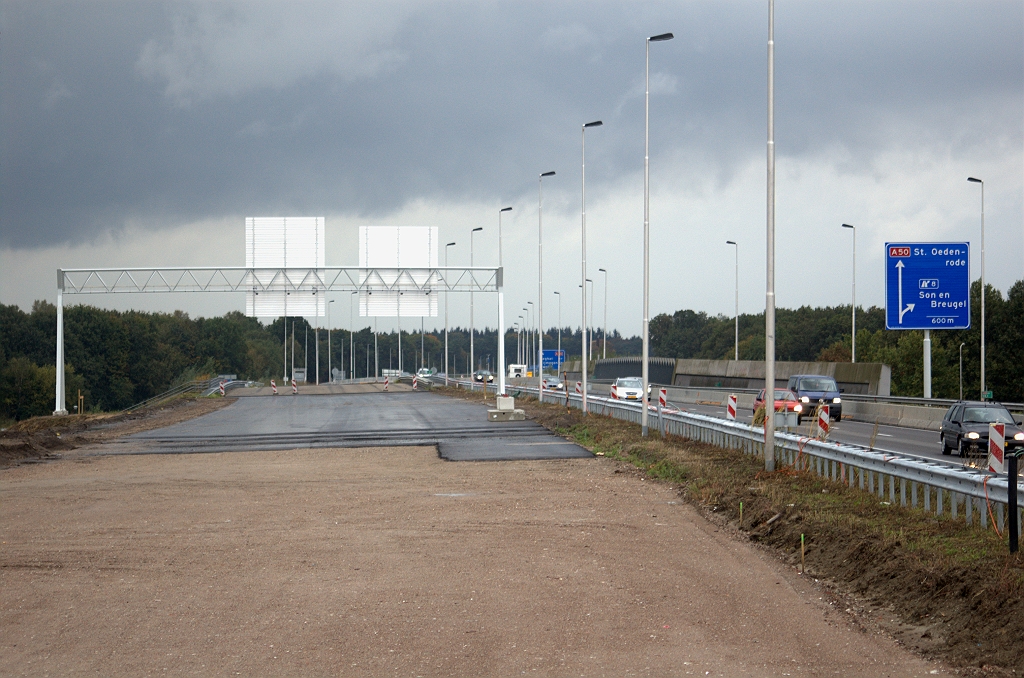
<point>812,389</point>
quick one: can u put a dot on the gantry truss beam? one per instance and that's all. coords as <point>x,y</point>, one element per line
<point>239,279</point>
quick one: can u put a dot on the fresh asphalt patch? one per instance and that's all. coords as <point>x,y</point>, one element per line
<point>458,428</point>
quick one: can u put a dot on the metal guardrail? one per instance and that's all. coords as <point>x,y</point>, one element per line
<point>214,385</point>
<point>938,487</point>
<point>188,387</point>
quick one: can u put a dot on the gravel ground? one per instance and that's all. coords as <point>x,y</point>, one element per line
<point>389,561</point>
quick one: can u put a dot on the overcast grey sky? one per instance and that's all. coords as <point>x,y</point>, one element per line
<point>143,133</point>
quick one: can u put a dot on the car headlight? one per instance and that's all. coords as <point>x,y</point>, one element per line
<point>798,408</point>
<point>973,436</point>
<point>1019,436</point>
<point>837,400</point>
<point>805,399</point>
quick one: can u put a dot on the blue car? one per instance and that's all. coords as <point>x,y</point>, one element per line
<point>811,389</point>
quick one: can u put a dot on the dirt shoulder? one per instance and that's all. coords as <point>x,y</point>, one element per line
<point>47,438</point>
<point>939,587</point>
<point>391,561</point>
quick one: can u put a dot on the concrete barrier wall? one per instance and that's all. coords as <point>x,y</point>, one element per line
<point>859,378</point>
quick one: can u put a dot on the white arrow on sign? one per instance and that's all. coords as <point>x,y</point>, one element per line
<point>910,307</point>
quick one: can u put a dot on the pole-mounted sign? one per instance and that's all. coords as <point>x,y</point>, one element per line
<point>927,286</point>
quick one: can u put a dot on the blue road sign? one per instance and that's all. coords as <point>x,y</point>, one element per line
<point>552,358</point>
<point>927,286</point>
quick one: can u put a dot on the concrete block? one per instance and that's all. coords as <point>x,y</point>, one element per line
<point>506,415</point>
<point>506,403</point>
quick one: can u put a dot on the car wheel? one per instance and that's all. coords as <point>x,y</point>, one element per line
<point>946,451</point>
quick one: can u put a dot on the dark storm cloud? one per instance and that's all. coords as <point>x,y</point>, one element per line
<point>159,113</point>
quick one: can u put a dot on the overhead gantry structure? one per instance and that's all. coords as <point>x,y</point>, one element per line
<point>259,280</point>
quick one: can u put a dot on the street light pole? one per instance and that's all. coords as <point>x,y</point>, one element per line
<point>472,357</point>
<point>522,331</point>
<point>853,318</point>
<point>329,302</point>
<point>979,181</point>
<point>533,333</point>
<point>501,312</point>
<point>604,333</point>
<point>351,338</point>
<point>961,371</point>
<point>446,317</point>
<point>583,277</point>
<point>558,358</point>
<point>647,230</point>
<point>769,297</point>
<point>540,278</point>
<point>737,288</point>
<point>590,314</point>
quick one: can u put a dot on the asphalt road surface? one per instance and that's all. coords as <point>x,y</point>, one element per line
<point>460,429</point>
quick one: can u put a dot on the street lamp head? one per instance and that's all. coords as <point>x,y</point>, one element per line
<point>478,228</point>
<point>662,37</point>
<point>558,294</point>
<point>602,270</point>
<point>548,174</point>
<point>596,123</point>
<point>848,226</point>
<point>505,209</point>
<point>449,244</point>
<point>977,181</point>
<point>729,242</point>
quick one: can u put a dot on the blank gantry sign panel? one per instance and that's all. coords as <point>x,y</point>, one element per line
<point>411,248</point>
<point>273,243</point>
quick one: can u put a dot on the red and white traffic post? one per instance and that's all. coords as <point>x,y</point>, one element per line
<point>386,383</point>
<point>662,404</point>
<point>222,388</point>
<point>295,389</point>
<point>996,447</point>
<point>823,422</point>
<point>414,382</point>
<point>273,385</point>
<point>730,407</point>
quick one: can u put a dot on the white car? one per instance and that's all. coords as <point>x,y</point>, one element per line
<point>553,384</point>
<point>628,388</point>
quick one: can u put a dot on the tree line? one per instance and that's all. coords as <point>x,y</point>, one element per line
<point>118,358</point>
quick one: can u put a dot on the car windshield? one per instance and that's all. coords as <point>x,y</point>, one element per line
<point>818,384</point>
<point>987,415</point>
<point>783,394</point>
<point>631,382</point>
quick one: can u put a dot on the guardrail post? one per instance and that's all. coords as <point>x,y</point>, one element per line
<point>1011,499</point>
<point>938,501</point>
<point>903,491</point>
<point>927,497</point>
<point>969,510</point>
<point>913,494</point>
